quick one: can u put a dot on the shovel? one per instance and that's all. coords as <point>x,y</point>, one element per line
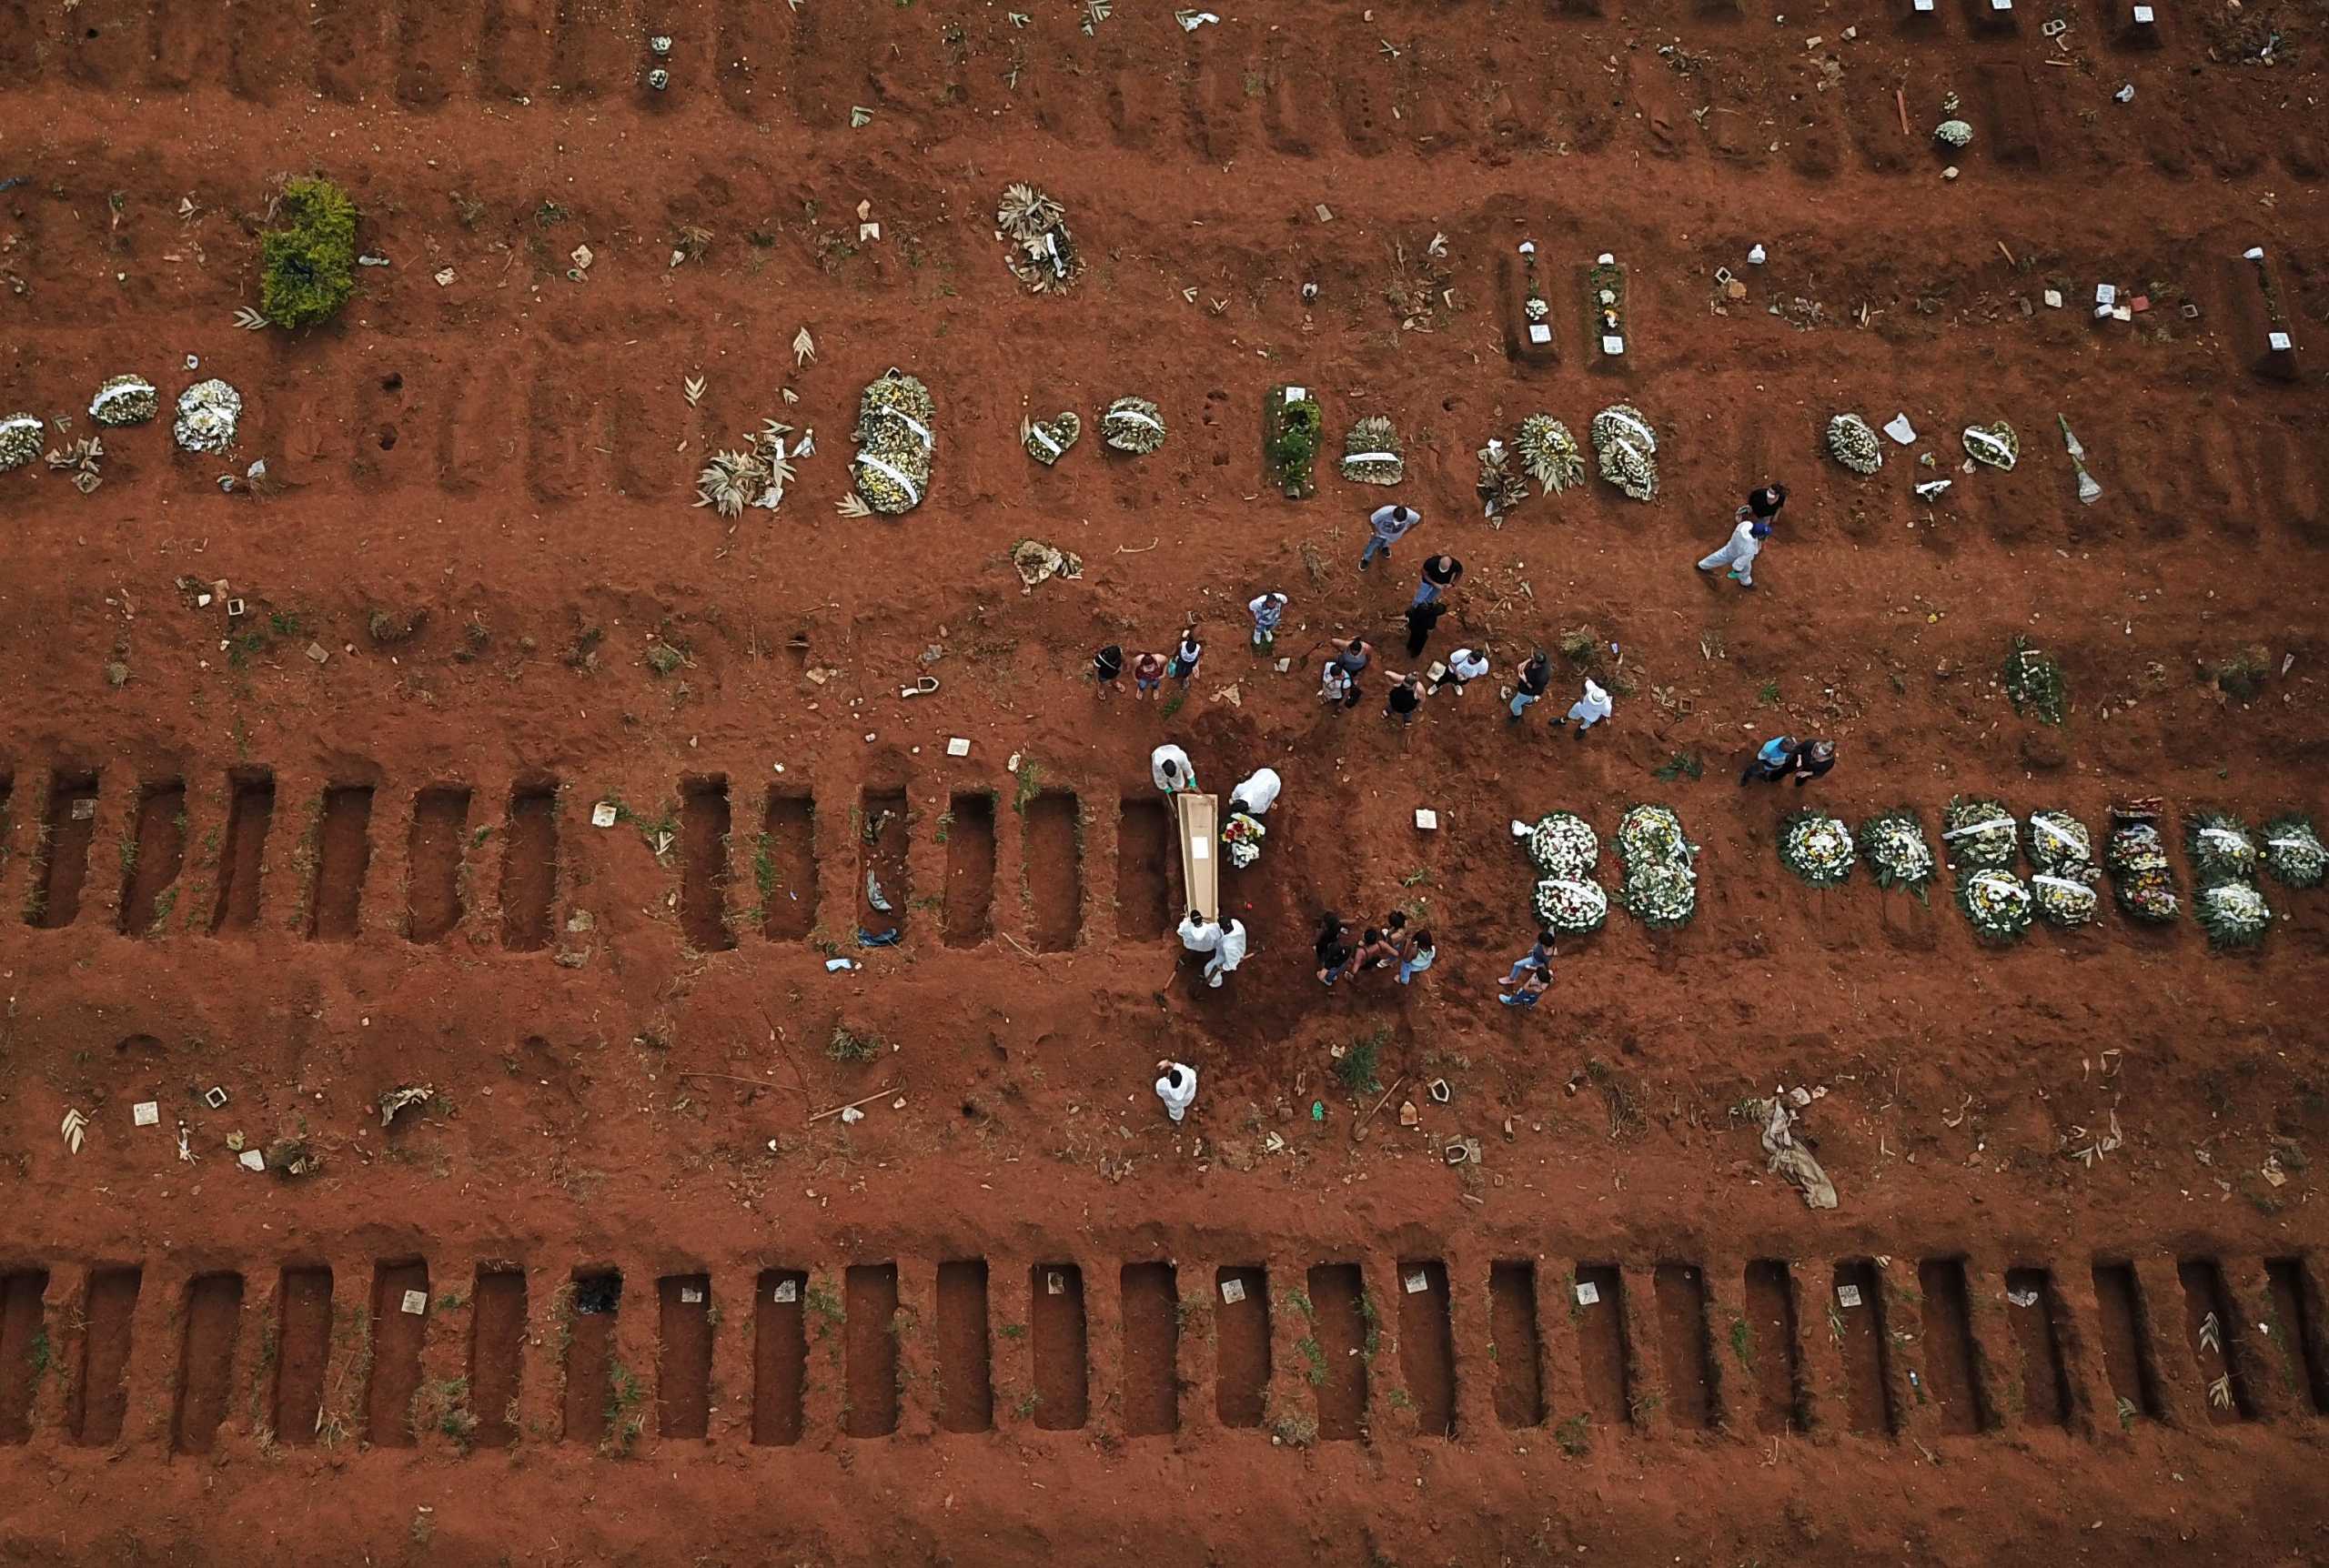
<point>2089,492</point>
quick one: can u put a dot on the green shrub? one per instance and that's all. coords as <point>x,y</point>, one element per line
<point>309,263</point>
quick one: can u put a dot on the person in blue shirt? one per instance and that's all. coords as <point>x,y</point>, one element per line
<point>1782,755</point>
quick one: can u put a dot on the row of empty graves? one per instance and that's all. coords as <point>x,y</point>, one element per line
<point>171,861</point>
<point>388,1355</point>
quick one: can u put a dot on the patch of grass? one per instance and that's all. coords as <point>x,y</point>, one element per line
<point>823,1302</point>
<point>663,659</point>
<point>1743,1342</point>
<point>1681,764</point>
<point>945,826</point>
<point>1295,1429</point>
<point>441,1405</point>
<point>1575,1436</point>
<point>308,265</point>
<point>1172,704</point>
<point>1012,1331</point>
<point>1030,785</point>
<point>1578,644</point>
<point>626,1392</point>
<point>1313,1360</point>
<point>1768,694</point>
<point>1419,877</point>
<point>847,1047</point>
<point>1354,1069</point>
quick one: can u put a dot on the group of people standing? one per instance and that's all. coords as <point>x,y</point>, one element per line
<point>1340,956</point>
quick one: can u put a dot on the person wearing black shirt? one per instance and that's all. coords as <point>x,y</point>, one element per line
<point>1421,615</point>
<point>1331,950</point>
<point>1528,684</point>
<point>1440,575</point>
<point>1108,670</point>
<point>1407,696</point>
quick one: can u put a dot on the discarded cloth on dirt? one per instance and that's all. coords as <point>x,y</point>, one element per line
<point>1039,562</point>
<point>1790,1158</point>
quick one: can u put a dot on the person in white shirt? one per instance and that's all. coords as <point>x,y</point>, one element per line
<point>1754,526</point>
<point>1198,934</point>
<point>1267,611</point>
<point>1466,664</point>
<point>1588,710</point>
<point>1170,767</point>
<point>1177,1088</point>
<point>1229,954</point>
<point>1257,794</point>
<point>1386,527</point>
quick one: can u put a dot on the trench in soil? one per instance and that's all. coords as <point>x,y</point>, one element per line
<point>1147,856</point>
<point>342,856</point>
<point>1151,1374</point>
<point>1952,1358</point>
<point>1518,1347</point>
<point>784,867</point>
<point>965,1379</point>
<point>2296,1324</point>
<point>2222,1371</point>
<point>250,812</point>
<point>2038,1339</point>
<point>1063,1367</point>
<point>1601,1343</point>
<point>590,1389</point>
<point>1867,1350</point>
<point>1242,1348</point>
<point>870,1371</point>
<point>303,1348</point>
<point>970,869</point>
<point>497,1349</point>
<point>530,868</point>
<point>881,860</point>
<point>396,1337</point>
<point>683,1369</point>
<point>779,1356</point>
<point>24,1349</point>
<point>101,1394</point>
<point>440,824</point>
<point>1337,1350</point>
<point>160,855</point>
<point>704,820</point>
<point>1771,1347</point>
<point>2124,1327</point>
<point>1683,1351</point>
<point>1055,863</point>
<point>213,1316</point>
<point>1427,1347</point>
<point>61,857</point>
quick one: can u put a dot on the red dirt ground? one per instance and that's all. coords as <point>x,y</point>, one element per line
<point>310,884</point>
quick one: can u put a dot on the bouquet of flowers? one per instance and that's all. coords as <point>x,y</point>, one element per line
<point>1816,847</point>
<point>208,413</point>
<point>1627,450</point>
<point>1550,453</point>
<point>1563,844</point>
<point>753,475</point>
<point>1995,445</point>
<point>2057,842</point>
<point>1897,852</point>
<point>1041,255</point>
<point>2219,848</point>
<point>1372,453</point>
<point>2293,851</point>
<point>1661,888</point>
<point>1133,425</point>
<point>1500,487</point>
<point>2066,900</point>
<point>20,440</point>
<point>894,442</point>
<point>1570,905</point>
<point>1244,835</point>
<point>1852,443</point>
<point>2233,914</point>
<point>124,401</point>
<point>2140,877</point>
<point>1997,902</point>
<point>1978,832</point>
<point>1047,440</point>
